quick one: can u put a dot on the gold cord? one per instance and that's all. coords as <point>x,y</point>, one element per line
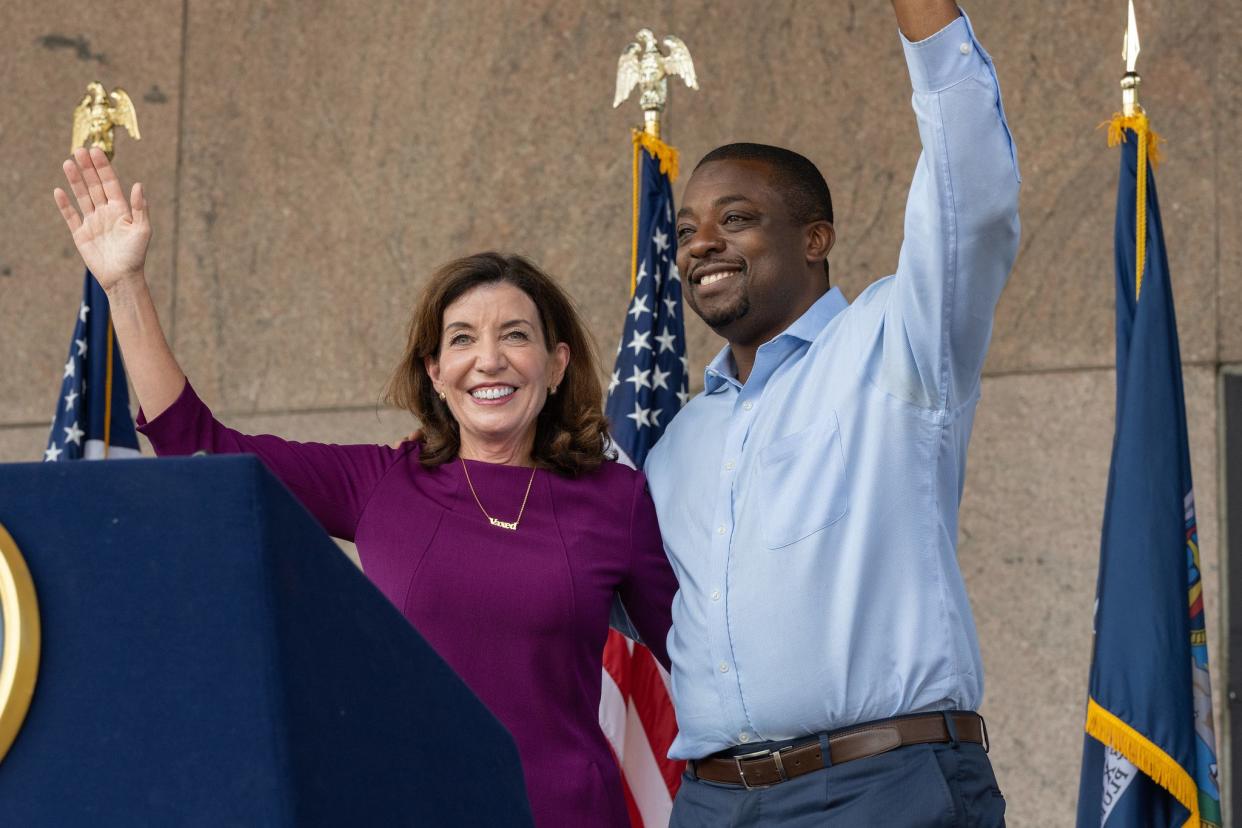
<point>503,524</point>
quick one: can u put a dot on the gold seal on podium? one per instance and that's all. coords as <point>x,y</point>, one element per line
<point>19,658</point>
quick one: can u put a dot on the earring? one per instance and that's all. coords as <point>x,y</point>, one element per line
<point>442,396</point>
<point>552,390</point>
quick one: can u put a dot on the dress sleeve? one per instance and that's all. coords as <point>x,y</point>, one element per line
<point>961,224</point>
<point>333,482</point>
<point>648,590</point>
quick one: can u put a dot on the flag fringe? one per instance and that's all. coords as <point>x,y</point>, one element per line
<point>1162,768</point>
<point>658,149</point>
<point>1137,122</point>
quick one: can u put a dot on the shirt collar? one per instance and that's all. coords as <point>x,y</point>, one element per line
<point>721,370</point>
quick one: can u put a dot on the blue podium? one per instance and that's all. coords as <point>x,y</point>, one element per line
<point>209,657</point>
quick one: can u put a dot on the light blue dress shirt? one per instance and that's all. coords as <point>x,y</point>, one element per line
<point>811,513</point>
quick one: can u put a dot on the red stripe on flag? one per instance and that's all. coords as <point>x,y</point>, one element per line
<point>617,661</point>
<point>642,689</point>
<point>655,711</point>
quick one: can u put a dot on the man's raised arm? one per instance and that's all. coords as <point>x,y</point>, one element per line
<point>961,225</point>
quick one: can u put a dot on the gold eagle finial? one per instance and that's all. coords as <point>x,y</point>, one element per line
<point>98,112</point>
<point>643,64</point>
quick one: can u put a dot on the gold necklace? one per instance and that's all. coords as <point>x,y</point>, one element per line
<point>503,524</point>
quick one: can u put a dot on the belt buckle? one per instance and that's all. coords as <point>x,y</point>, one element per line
<point>759,754</point>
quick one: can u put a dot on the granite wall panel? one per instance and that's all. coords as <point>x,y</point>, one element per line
<point>333,155</point>
<point>1227,132</point>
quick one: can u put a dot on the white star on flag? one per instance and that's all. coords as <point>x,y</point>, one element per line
<point>83,311</point>
<point>642,271</point>
<point>683,396</point>
<point>639,378</point>
<point>69,398</point>
<point>639,342</point>
<point>667,340</point>
<point>674,274</point>
<point>615,380</point>
<point>52,454</point>
<point>81,343</point>
<point>639,306</point>
<point>671,303</point>
<point>641,416</point>
<point>73,434</point>
<point>661,240</point>
<point>659,378</point>
<point>69,370</point>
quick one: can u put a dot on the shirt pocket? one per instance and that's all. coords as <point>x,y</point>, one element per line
<point>802,481</point>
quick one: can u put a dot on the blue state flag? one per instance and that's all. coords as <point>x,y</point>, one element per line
<point>92,419</point>
<point>1149,756</point>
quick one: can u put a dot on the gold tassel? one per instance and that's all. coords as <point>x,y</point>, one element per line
<point>658,149</point>
<point>1138,122</point>
<point>1162,768</point>
<point>1148,148</point>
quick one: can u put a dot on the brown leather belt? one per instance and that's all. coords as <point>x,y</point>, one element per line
<point>765,768</point>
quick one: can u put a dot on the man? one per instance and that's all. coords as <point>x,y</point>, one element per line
<point>825,664</point>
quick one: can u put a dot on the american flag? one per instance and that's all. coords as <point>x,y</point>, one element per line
<point>92,419</point>
<point>648,385</point>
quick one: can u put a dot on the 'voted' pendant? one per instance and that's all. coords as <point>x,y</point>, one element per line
<point>503,524</point>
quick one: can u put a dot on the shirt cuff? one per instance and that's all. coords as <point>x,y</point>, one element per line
<point>949,56</point>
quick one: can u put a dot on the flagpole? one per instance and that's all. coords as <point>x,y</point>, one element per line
<point>652,357</point>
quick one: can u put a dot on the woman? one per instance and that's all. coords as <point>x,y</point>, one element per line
<point>502,534</point>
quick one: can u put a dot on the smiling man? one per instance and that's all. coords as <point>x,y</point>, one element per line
<point>825,663</point>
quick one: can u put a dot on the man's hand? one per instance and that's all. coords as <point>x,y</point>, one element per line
<point>920,19</point>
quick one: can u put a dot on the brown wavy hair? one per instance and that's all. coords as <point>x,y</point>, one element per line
<point>571,431</point>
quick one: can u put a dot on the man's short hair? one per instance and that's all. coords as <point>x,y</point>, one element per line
<point>805,190</point>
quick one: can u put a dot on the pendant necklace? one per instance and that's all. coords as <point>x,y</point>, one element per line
<point>503,524</point>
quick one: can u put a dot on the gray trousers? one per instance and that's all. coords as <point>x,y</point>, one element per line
<point>920,786</point>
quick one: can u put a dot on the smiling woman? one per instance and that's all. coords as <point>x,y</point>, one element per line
<point>499,368</point>
<point>507,560</point>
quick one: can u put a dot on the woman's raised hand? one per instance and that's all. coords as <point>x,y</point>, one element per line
<point>111,233</point>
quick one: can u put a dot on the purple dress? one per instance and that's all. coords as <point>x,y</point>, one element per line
<point>521,616</point>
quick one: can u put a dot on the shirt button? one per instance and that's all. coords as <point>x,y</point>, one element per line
<point>724,668</point>
<point>715,595</point>
<point>743,737</point>
<point>729,466</point>
<point>720,530</point>
<point>748,405</point>
<point>964,48</point>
